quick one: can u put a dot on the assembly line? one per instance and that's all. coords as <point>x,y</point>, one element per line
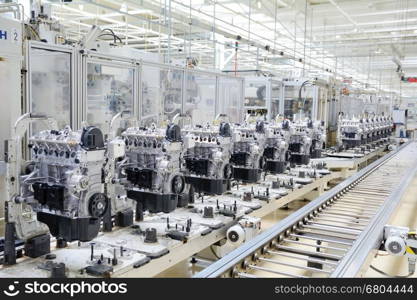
<point>119,163</point>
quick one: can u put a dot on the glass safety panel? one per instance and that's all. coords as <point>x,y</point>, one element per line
<point>275,99</point>
<point>50,90</point>
<point>230,98</point>
<point>296,107</point>
<point>109,91</point>
<point>255,94</point>
<point>370,109</point>
<point>161,94</point>
<point>351,106</point>
<point>200,97</point>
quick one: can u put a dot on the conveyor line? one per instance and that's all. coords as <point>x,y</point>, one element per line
<point>334,234</point>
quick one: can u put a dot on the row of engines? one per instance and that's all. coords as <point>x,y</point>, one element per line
<point>354,132</point>
<point>75,181</point>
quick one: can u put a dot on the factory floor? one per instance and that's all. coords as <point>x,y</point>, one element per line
<point>405,215</point>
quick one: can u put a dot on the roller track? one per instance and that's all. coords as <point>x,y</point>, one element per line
<point>331,236</point>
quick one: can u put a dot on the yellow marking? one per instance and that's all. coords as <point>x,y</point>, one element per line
<point>410,251</point>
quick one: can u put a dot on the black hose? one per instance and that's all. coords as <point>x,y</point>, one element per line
<point>388,275</point>
<point>115,36</point>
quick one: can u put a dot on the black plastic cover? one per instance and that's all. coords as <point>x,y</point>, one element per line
<point>68,229</point>
<point>173,133</point>
<point>197,166</point>
<point>239,158</point>
<point>225,130</point>
<point>260,127</point>
<point>50,195</point>
<point>154,202</point>
<point>143,178</point>
<point>92,138</point>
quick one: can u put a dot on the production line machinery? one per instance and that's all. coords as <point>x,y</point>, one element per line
<point>206,164</point>
<point>334,235</point>
<point>142,161</point>
<point>152,169</point>
<point>248,158</point>
<point>58,192</point>
<point>363,133</point>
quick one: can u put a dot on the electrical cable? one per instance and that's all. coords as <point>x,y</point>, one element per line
<point>304,84</point>
<point>115,36</point>
<point>214,252</point>
<point>389,275</point>
<point>108,34</point>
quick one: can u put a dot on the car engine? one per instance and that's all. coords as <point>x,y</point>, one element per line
<point>63,182</point>
<point>300,142</point>
<point>247,158</point>
<point>276,149</point>
<point>151,169</point>
<point>206,163</point>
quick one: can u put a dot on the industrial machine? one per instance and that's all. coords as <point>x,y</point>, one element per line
<point>300,141</point>
<point>150,169</point>
<point>276,152</point>
<point>335,235</point>
<point>247,158</point>
<point>72,184</point>
<point>351,132</point>
<point>263,97</point>
<point>355,132</point>
<point>59,188</point>
<point>317,133</point>
<point>206,163</point>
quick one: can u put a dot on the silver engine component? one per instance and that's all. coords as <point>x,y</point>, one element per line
<point>317,133</point>
<point>207,155</point>
<point>150,169</point>
<point>61,186</point>
<point>276,148</point>
<point>65,161</point>
<point>247,158</point>
<point>300,141</point>
<point>354,132</point>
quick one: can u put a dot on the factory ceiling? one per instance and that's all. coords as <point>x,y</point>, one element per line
<point>372,42</point>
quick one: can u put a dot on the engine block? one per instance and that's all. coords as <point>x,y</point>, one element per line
<point>63,182</point>
<point>354,132</point>
<point>300,141</point>
<point>151,168</point>
<point>317,133</point>
<point>276,148</point>
<point>206,162</point>
<point>247,158</point>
